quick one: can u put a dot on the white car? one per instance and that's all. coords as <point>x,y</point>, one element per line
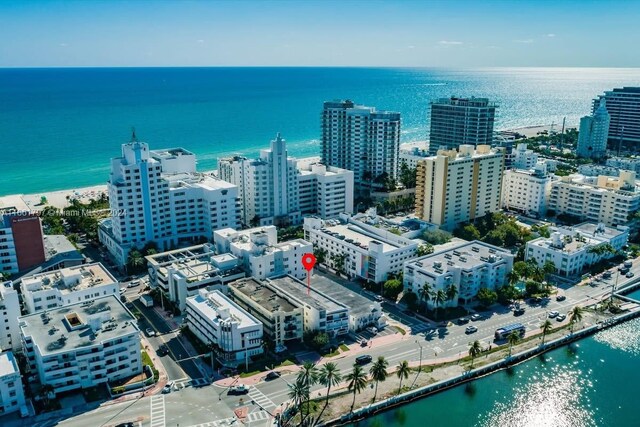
<point>167,388</point>
<point>470,329</point>
<point>372,329</point>
<point>553,314</point>
<point>133,284</point>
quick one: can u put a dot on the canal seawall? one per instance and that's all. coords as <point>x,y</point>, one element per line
<point>476,373</point>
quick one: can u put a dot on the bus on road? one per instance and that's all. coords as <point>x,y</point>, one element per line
<point>505,331</point>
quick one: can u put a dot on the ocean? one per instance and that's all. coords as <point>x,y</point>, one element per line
<point>59,127</point>
<point>590,383</point>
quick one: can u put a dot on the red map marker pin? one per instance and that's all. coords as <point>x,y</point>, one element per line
<point>308,261</point>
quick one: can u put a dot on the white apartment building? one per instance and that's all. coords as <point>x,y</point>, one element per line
<point>526,191</point>
<point>11,391</point>
<point>181,273</point>
<point>80,283</point>
<point>9,313</point>
<point>83,344</point>
<point>369,252</point>
<point>605,199</point>
<point>320,311</point>
<point>157,196</point>
<point>523,158</point>
<point>325,191</point>
<point>594,132</point>
<point>469,267</point>
<point>461,121</point>
<point>458,186</point>
<point>278,190</point>
<point>626,163</point>
<point>595,170</point>
<point>570,248</point>
<point>215,319</point>
<point>360,139</point>
<point>412,153</point>
<point>280,315</point>
<point>261,254</point>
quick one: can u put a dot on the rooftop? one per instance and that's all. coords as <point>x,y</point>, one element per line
<point>191,180</point>
<point>465,256</point>
<point>78,325</point>
<point>298,290</point>
<point>168,153</point>
<point>194,262</point>
<point>70,279</point>
<point>218,308</point>
<point>263,295</point>
<point>356,235</point>
<point>358,305</point>
<point>582,236</point>
<point>8,365</point>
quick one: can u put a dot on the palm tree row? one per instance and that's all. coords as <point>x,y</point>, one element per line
<point>439,297</point>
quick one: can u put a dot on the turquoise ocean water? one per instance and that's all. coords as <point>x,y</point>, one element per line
<point>593,382</point>
<point>60,127</point>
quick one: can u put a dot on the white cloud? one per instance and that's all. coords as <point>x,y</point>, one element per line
<point>200,41</point>
<point>551,35</point>
<point>63,45</point>
<point>411,47</point>
<point>450,42</point>
<point>493,47</point>
<point>527,41</point>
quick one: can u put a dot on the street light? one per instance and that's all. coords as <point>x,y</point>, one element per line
<point>419,365</point>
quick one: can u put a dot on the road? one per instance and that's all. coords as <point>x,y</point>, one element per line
<point>193,406</point>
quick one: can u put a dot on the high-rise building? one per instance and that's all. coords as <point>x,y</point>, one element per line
<point>157,196</point>
<point>21,238</point>
<point>454,187</point>
<point>594,131</point>
<point>362,140</point>
<point>277,190</point>
<point>523,158</point>
<point>623,106</point>
<point>458,121</point>
<point>526,191</point>
<point>9,313</point>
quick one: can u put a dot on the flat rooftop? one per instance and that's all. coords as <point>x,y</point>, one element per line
<point>464,256</point>
<point>190,180</point>
<point>70,279</point>
<point>354,234</point>
<point>358,305</point>
<point>167,153</point>
<point>8,365</point>
<point>79,325</point>
<point>599,231</point>
<point>263,295</point>
<point>217,307</point>
<point>298,290</point>
<point>192,262</point>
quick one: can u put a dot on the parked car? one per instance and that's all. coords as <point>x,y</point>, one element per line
<point>372,329</point>
<point>519,311</point>
<point>553,314</point>
<point>364,343</point>
<point>463,321</point>
<point>470,329</point>
<point>273,375</point>
<point>167,388</point>
<point>561,298</point>
<point>150,332</point>
<point>133,284</point>
<point>561,317</point>
<point>129,424</point>
<point>475,317</point>
<point>364,359</point>
<point>162,350</point>
<point>238,389</point>
<point>122,290</point>
<point>630,275</point>
<point>628,264</point>
<point>379,298</point>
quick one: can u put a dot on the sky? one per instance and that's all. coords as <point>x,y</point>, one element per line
<point>526,33</point>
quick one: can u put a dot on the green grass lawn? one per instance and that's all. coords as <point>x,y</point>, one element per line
<point>344,347</point>
<point>399,329</point>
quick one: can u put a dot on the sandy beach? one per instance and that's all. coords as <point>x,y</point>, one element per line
<point>57,199</point>
<point>531,131</point>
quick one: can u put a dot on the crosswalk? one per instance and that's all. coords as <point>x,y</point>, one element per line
<point>258,416</point>
<point>218,423</point>
<point>420,327</point>
<point>157,411</point>
<point>262,400</point>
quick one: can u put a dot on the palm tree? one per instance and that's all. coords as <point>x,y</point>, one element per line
<point>546,327</point>
<point>475,350</point>
<point>402,372</point>
<point>575,316</point>
<point>425,292</point>
<point>439,298</point>
<point>308,376</point>
<point>357,381</point>
<point>513,339</point>
<point>136,260</point>
<point>451,292</point>
<point>328,376</point>
<point>299,393</point>
<point>378,373</point>
<point>45,390</point>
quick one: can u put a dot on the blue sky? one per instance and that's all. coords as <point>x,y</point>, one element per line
<point>327,33</point>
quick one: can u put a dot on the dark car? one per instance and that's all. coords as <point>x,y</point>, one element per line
<point>518,311</point>
<point>463,321</point>
<point>163,350</point>
<point>364,359</point>
<point>129,424</point>
<point>273,375</point>
<point>561,298</point>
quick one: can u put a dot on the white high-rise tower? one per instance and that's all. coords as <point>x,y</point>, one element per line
<point>594,131</point>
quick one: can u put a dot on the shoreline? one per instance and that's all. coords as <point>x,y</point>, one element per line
<point>58,198</point>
